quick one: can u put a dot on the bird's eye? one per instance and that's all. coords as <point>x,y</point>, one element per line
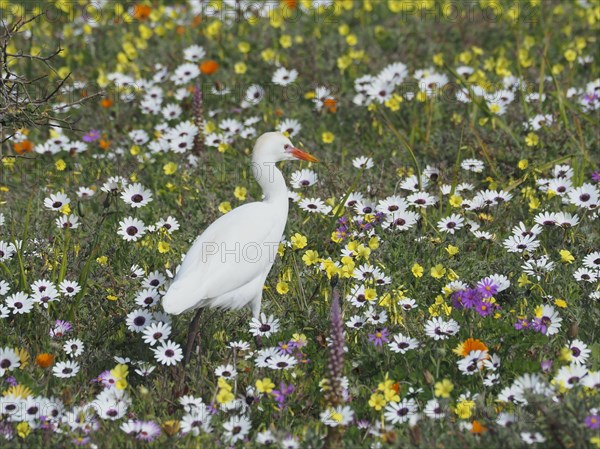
<point>287,147</point>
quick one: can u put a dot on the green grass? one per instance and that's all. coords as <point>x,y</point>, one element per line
<point>439,131</point>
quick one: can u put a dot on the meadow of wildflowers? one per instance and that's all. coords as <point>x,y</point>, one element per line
<point>439,277</point>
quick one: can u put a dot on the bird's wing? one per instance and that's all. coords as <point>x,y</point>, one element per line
<point>232,251</point>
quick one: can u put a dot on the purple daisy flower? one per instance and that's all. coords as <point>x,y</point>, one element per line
<point>484,308</point>
<point>592,421</point>
<point>487,288</point>
<point>379,337</point>
<point>91,136</point>
<point>60,328</point>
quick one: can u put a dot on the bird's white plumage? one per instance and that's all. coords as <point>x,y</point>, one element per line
<point>227,265</point>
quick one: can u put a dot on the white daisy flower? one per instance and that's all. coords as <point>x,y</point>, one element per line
<point>131,229</point>
<point>156,333</point>
<point>264,326</point>
<point>138,320</point>
<point>168,353</point>
<point>19,303</point>
<point>284,77</point>
<point>69,288</point>
<point>136,195</point>
<point>9,360</point>
<point>56,201</point>
<point>363,162</point>
<point>66,369</point>
<point>74,347</point>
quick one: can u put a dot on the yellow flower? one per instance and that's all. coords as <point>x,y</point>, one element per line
<point>595,441</point>
<point>213,29</point>
<point>224,207</point>
<point>240,68</point>
<point>351,40</point>
<point>163,247</point>
<point>23,429</point>
<point>464,409</point>
<point>443,389</point>
<point>111,297</point>
<point>343,62</point>
<point>298,241</point>
<point>66,209</point>
<point>566,256</point>
<point>561,303</point>
<point>19,391</point>
<point>417,270</point>
<point>374,242</point>
<point>452,250</point>
<point>438,59</point>
<point>244,47</point>
<point>451,275</point>
<point>570,55</point>
<point>265,385</point>
<point>557,69</point>
<point>327,137</point>
<point>534,204</point>
<point>145,32</point>
<point>566,355</point>
<point>344,29</point>
<point>455,201</point>
<point>23,357</point>
<point>60,165</point>
<point>310,257</point>
<point>300,338</point>
<point>268,55</point>
<point>438,271</point>
<point>523,164</point>
<point>421,97</point>
<point>282,287</point>
<point>523,280</point>
<point>532,139</point>
<point>240,193</point>
<point>377,401</point>
<point>363,252</point>
<point>120,373</point>
<point>286,41</point>
<point>224,396</point>
<point>390,390</point>
<point>223,385</point>
<point>370,294</point>
<point>169,168</point>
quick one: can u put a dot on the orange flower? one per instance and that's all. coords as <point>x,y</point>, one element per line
<point>23,147</point>
<point>197,20</point>
<point>142,12</point>
<point>396,387</point>
<point>331,104</point>
<point>44,360</point>
<point>209,67</point>
<point>470,344</point>
<point>291,3</point>
<point>477,427</point>
<point>106,103</point>
<point>104,144</point>
<point>180,30</point>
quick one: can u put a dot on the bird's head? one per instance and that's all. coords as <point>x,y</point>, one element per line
<point>275,147</point>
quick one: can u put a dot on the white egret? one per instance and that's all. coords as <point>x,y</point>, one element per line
<point>228,264</point>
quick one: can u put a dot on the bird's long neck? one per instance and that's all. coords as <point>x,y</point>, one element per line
<point>271,180</point>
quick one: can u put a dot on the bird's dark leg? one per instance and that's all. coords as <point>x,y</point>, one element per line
<point>191,336</point>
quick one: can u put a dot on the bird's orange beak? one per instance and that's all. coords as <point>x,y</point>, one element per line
<point>299,154</point>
